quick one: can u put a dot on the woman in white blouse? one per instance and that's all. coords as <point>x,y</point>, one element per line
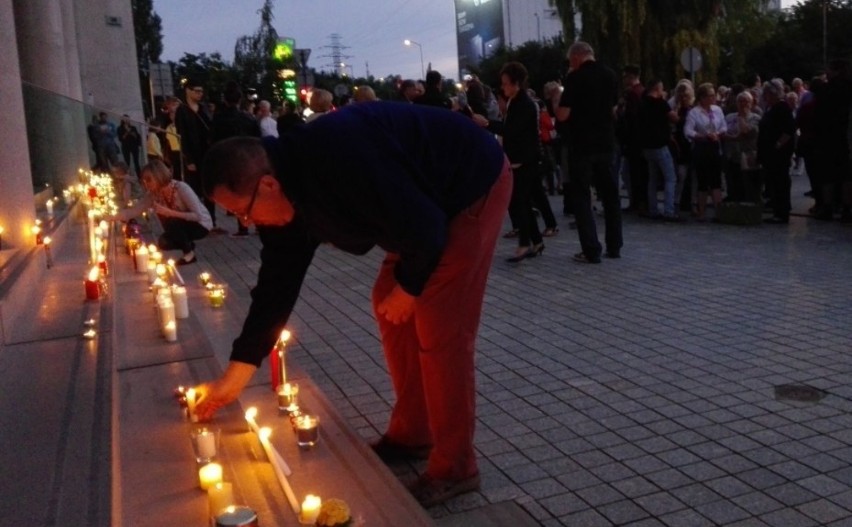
<point>183,217</point>
<point>704,128</point>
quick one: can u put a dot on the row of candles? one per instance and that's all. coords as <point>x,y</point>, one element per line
<point>205,443</point>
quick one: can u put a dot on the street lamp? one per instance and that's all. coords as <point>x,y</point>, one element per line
<point>410,43</point>
<point>538,27</point>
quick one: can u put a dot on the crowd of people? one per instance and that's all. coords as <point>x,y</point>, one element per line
<point>429,178</point>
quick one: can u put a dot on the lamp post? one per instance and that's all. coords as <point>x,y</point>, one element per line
<point>825,33</point>
<point>410,43</point>
<point>537,27</point>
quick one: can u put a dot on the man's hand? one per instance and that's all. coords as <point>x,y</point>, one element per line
<point>480,120</point>
<point>397,307</point>
<point>216,394</point>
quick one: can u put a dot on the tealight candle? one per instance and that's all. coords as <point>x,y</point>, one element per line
<point>310,510</point>
<point>220,496</point>
<point>307,430</point>
<point>287,397</point>
<point>90,334</point>
<point>209,475</point>
<point>167,311</point>
<point>216,294</point>
<point>236,516</point>
<point>93,291</point>
<point>204,279</point>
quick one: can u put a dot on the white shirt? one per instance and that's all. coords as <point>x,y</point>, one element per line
<point>700,123</point>
<point>268,127</point>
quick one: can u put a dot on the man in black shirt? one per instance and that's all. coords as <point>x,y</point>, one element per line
<point>588,105</point>
<point>655,124</point>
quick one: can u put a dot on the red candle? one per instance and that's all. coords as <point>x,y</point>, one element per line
<point>93,291</point>
<point>102,265</point>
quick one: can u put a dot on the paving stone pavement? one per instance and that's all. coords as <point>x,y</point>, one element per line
<point>636,392</point>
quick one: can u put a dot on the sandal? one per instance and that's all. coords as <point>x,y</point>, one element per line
<point>550,232</point>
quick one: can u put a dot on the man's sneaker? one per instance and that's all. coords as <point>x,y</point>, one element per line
<point>390,451</point>
<point>582,258</point>
<point>431,491</point>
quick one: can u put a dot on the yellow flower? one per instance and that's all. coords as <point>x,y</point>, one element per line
<point>333,513</point>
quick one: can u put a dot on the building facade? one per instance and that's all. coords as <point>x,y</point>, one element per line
<point>62,61</point>
<point>483,26</point>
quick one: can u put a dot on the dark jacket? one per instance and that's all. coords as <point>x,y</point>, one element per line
<point>402,174</point>
<point>195,131</point>
<point>230,121</point>
<point>519,129</point>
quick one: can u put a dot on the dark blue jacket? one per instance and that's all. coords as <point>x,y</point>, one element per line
<point>386,174</point>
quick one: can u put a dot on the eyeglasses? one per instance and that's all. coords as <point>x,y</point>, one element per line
<point>245,217</point>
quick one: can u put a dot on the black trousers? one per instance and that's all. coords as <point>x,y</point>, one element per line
<point>586,170</point>
<point>131,153</point>
<point>777,171</point>
<point>520,206</point>
<point>180,234</point>
<point>193,179</point>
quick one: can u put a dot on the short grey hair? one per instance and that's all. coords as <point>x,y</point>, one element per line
<point>775,88</point>
<point>745,95</point>
<point>264,104</point>
<point>581,49</point>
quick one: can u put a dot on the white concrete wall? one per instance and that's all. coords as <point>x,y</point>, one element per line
<point>520,23</point>
<point>110,78</point>
<point>16,194</point>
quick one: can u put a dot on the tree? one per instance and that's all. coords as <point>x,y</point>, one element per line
<point>211,70</point>
<point>148,31</point>
<point>543,62</point>
<point>653,33</point>
<point>254,58</point>
<point>795,49</point>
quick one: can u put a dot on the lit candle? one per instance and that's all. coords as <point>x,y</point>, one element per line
<point>36,230</point>
<point>47,252</point>
<point>282,356</point>
<point>307,430</point>
<point>170,331</point>
<point>173,270</point>
<point>204,279</point>
<point>181,302</point>
<point>102,264</point>
<point>167,309</point>
<point>287,397</point>
<point>209,475</point>
<point>220,496</point>
<point>1,237</point>
<point>90,334</point>
<point>49,206</point>
<point>190,405</point>
<point>93,256</point>
<point>217,296</point>
<point>251,414</point>
<point>141,259</point>
<point>278,466</point>
<point>235,515</point>
<point>151,269</point>
<point>92,286</point>
<point>310,510</point>
<point>161,270</point>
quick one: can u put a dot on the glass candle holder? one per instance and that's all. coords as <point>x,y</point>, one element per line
<point>216,295</point>
<point>307,430</point>
<point>205,444</point>
<point>287,397</point>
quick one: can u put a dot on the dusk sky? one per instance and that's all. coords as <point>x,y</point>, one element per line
<point>373,31</point>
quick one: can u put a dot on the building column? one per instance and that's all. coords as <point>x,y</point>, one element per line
<point>17,211</point>
<point>50,111</point>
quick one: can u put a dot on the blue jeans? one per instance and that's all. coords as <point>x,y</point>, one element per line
<point>660,162</point>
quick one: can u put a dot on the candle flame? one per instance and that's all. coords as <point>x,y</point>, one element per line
<point>171,324</point>
<point>171,262</point>
<point>35,229</point>
<point>285,335</point>
<point>93,273</point>
<point>251,413</point>
<point>1,230</point>
<point>47,240</point>
<point>264,433</point>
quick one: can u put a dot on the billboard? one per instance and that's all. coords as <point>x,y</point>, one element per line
<point>479,30</point>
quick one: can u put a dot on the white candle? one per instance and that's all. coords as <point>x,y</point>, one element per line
<point>190,405</point>
<point>151,269</point>
<point>181,303</point>
<point>170,331</point>
<point>49,206</point>
<point>142,259</point>
<point>209,475</point>
<point>310,510</point>
<point>167,312</point>
<point>277,463</point>
<point>206,443</point>
<point>91,224</point>
<point>219,496</point>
